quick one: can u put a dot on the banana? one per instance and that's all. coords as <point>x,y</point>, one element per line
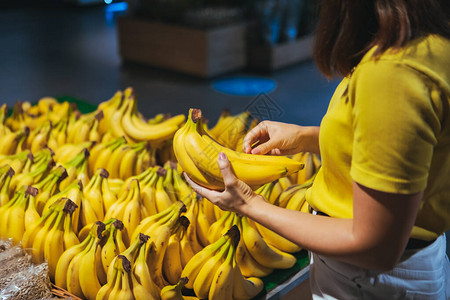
<point>203,224</point>
<point>77,169</point>
<point>248,266</point>
<point>168,183</point>
<point>162,198</point>
<point>10,226</point>
<point>230,129</point>
<point>74,193</point>
<point>172,265</point>
<point>262,252</point>
<point>39,141</point>
<point>182,189</point>
<point>222,281</point>
<point>196,263</point>
<point>156,254</point>
<point>12,143</point>
<point>49,186</point>
<point>297,200</point>
<point>64,261</point>
<point>139,130</point>
<point>73,261</point>
<point>73,270</point>
<point>173,292</point>
<point>219,227</point>
<point>269,236</point>
<point>148,194</point>
<point>142,277</point>
<point>184,161</point>
<point>93,194</point>
<point>203,280</point>
<point>89,277</point>
<point>129,160</point>
<point>31,214</point>
<point>243,288</point>
<point>275,193</point>
<point>116,159</point>
<point>17,161</point>
<point>54,244</point>
<point>66,152</point>
<point>148,224</point>
<point>30,178</point>
<point>109,198</point>
<point>110,249</point>
<point>192,214</point>
<point>202,150</point>
<point>103,155</point>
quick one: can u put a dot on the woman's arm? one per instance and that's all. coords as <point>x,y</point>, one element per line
<point>375,238</point>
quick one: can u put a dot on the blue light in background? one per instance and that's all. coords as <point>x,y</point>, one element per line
<point>113,9</point>
<point>244,86</point>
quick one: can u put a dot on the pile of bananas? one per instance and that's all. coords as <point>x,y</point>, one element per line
<point>100,198</point>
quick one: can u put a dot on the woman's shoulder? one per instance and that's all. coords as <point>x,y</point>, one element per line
<point>429,56</point>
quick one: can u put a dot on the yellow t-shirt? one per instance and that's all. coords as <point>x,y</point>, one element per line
<point>388,128</point>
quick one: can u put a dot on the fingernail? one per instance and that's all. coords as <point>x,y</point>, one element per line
<point>222,156</point>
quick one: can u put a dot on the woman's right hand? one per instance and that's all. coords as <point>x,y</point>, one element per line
<point>276,138</point>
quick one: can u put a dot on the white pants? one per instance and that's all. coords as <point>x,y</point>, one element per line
<point>420,274</point>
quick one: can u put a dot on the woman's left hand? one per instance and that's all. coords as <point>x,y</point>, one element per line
<point>237,195</point>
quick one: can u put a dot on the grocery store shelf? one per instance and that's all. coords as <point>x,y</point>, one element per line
<point>284,288</point>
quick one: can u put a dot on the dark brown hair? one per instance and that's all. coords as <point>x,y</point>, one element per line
<point>347,29</point>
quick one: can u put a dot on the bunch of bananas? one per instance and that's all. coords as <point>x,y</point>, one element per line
<point>197,153</point>
<point>52,234</point>
<point>213,273</point>
<point>18,214</point>
<point>123,119</point>
<point>230,130</point>
<point>312,165</point>
<point>80,268</point>
<point>6,173</point>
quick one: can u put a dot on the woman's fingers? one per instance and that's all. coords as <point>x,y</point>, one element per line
<point>254,135</point>
<point>264,148</point>
<point>204,192</point>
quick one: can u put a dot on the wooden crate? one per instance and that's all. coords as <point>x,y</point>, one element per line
<point>271,58</point>
<point>203,53</point>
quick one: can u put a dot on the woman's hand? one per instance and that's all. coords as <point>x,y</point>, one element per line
<point>237,195</point>
<point>278,138</point>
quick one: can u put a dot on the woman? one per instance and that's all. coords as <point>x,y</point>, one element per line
<point>381,201</point>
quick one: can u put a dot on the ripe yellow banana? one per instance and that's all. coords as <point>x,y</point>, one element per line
<point>139,130</point>
<point>64,261</point>
<point>162,198</point>
<point>222,282</point>
<point>55,244</point>
<point>248,266</point>
<point>173,292</point>
<point>110,249</point>
<point>93,194</point>
<point>262,252</point>
<point>172,263</point>
<point>204,281</point>
<point>243,288</point>
<point>141,275</point>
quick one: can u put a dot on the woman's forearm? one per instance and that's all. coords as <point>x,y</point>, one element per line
<point>332,237</point>
<point>309,137</point>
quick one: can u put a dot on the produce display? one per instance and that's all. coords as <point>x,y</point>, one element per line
<point>100,200</point>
